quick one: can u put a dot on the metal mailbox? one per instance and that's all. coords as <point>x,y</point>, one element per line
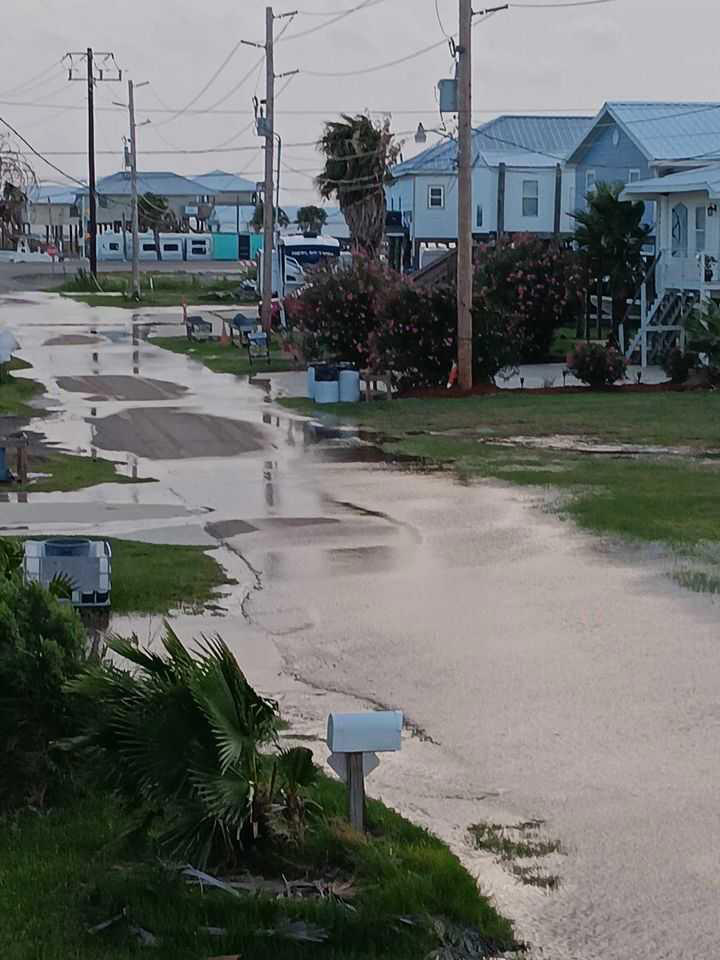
<point>375,731</point>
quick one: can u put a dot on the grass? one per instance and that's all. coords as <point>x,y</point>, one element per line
<point>155,578</point>
<point>666,499</point>
<point>519,842</point>
<point>158,290</point>
<point>68,472</point>
<point>686,419</point>
<point>224,359</point>
<point>65,871</point>
<point>17,392</point>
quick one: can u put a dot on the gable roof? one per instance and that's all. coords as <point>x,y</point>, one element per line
<point>513,140</point>
<point>670,131</point>
<point>219,181</point>
<point>686,181</point>
<point>42,192</point>
<point>160,182</point>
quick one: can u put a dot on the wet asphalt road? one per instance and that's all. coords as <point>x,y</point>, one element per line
<point>545,675</point>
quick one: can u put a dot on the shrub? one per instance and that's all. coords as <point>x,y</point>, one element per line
<point>497,342</point>
<point>677,364</point>
<point>596,365</point>
<point>41,647</point>
<point>338,311</point>
<point>537,282</point>
<point>184,739</point>
<point>416,337</point>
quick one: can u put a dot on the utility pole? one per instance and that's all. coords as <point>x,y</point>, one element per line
<point>93,75</point>
<point>268,193</point>
<point>134,193</point>
<point>464,242</point>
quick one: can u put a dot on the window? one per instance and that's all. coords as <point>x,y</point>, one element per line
<point>198,247</point>
<point>114,246</point>
<point>679,230</point>
<point>436,198</point>
<point>171,247</point>
<point>147,247</point>
<point>530,196</point>
<point>400,203</point>
<point>478,215</point>
<point>392,203</point>
<point>633,175</point>
<point>589,181</point>
<point>700,229</point>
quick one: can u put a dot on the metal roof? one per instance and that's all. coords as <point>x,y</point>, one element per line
<point>162,183</point>
<point>663,130</point>
<point>41,192</point>
<point>513,140</point>
<point>686,181</point>
<point>218,181</point>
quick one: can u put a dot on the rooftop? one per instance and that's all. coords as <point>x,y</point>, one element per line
<point>686,181</point>
<point>219,181</point>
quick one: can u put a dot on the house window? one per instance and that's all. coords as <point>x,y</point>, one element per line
<point>633,175</point>
<point>392,203</point>
<point>436,198</point>
<point>530,197</point>
<point>589,181</point>
<point>679,230</point>
<point>400,203</point>
<point>478,215</point>
<point>700,229</point>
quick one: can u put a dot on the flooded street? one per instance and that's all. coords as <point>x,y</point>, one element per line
<point>544,674</point>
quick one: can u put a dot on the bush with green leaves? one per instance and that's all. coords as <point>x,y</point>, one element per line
<point>42,646</point>
<point>191,747</point>
<point>596,364</point>
<point>678,364</point>
<point>536,282</point>
<point>702,331</point>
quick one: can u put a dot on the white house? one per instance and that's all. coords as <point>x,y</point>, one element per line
<point>686,266</point>
<point>520,183</point>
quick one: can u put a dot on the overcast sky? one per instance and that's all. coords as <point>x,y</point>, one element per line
<point>564,61</point>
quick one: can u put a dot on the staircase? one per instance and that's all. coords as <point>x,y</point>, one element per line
<point>663,326</point>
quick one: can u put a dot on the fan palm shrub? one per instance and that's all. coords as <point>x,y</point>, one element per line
<point>185,741</point>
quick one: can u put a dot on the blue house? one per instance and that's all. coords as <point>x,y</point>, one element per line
<point>631,141</point>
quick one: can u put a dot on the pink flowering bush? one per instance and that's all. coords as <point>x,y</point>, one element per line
<point>596,365</point>
<point>536,282</point>
<point>339,309</point>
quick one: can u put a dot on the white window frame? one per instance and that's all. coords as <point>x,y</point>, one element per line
<point>529,197</point>
<point>441,204</point>
<point>634,173</point>
<point>590,187</point>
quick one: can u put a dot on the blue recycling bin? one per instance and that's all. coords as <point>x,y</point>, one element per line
<point>4,472</point>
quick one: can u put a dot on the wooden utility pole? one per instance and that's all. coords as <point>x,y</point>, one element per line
<point>134,193</point>
<point>268,197</point>
<point>91,163</point>
<point>93,76</point>
<point>464,241</point>
<point>356,791</point>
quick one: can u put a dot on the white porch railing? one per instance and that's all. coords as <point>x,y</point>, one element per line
<point>691,273</point>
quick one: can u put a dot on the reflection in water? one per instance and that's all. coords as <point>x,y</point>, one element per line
<point>93,411</point>
<point>266,418</point>
<point>268,475</point>
<point>22,498</point>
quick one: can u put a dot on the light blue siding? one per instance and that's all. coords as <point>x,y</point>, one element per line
<point>611,163</point>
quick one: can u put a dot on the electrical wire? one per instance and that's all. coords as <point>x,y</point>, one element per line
<point>366,4</point>
<point>33,81</point>
<point>568,3</point>
<point>39,155</point>
<point>439,20</point>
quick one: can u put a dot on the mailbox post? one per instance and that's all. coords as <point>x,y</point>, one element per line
<point>354,739</point>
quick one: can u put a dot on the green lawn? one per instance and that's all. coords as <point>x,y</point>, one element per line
<point>68,472</point>
<point>657,498</point>
<point>17,392</point>
<point>672,419</point>
<point>158,290</point>
<point>65,871</point>
<point>224,359</point>
<point>155,578</point>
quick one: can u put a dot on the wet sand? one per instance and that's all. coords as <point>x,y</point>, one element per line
<point>172,434</point>
<point>120,387</point>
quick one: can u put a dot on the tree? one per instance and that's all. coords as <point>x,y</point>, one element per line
<point>610,235</point>
<point>279,216</point>
<point>311,219</point>
<point>358,157</point>
<point>154,213</point>
<point>16,179</point>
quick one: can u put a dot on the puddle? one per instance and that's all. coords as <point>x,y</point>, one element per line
<point>571,444</point>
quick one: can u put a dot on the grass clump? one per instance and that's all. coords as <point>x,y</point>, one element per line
<point>225,359</point>
<point>16,393</point>
<point>67,472</point>
<point>521,841</point>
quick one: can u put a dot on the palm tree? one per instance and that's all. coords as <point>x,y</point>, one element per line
<point>311,219</point>
<point>611,235</point>
<point>358,157</point>
<point>279,217</point>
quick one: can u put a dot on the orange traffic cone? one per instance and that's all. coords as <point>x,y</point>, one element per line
<point>452,378</point>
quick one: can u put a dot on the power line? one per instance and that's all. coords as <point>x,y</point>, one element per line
<point>207,86</point>
<point>440,22</point>
<point>39,155</point>
<point>366,4</point>
<point>569,3</point>
<point>33,81</point>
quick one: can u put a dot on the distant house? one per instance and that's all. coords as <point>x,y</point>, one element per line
<point>53,214</point>
<point>631,141</point>
<point>221,188</point>
<point>520,183</point>
<point>185,197</point>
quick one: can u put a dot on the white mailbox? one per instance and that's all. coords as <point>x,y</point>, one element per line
<point>373,732</point>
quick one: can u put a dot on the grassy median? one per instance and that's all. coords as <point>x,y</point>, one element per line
<point>225,358</point>
<point>398,893</point>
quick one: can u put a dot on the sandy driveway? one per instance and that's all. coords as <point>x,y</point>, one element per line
<point>545,675</point>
